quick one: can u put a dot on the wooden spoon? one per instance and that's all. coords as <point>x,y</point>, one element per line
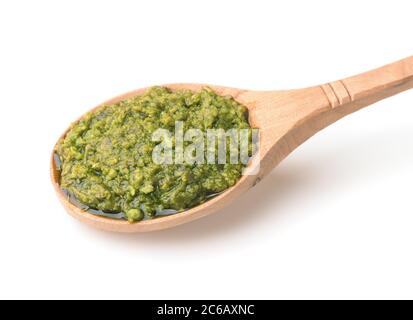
<point>285,118</point>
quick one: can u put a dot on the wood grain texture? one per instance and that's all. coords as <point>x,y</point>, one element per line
<point>286,119</point>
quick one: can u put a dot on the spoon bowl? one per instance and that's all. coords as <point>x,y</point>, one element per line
<point>285,120</point>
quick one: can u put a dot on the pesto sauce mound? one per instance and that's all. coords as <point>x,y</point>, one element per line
<point>106,157</point>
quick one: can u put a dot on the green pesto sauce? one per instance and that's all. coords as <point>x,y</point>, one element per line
<point>106,157</point>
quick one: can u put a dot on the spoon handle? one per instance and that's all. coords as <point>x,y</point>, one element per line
<point>369,87</point>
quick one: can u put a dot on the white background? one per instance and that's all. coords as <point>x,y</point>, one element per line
<point>334,220</point>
